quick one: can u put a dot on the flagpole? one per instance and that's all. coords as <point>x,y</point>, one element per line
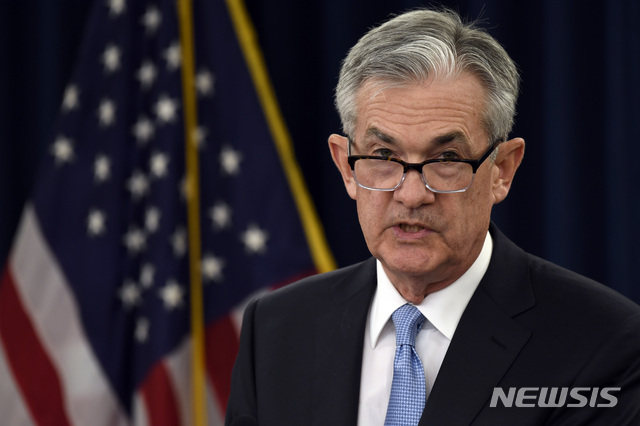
<point>320,252</point>
<point>198,370</point>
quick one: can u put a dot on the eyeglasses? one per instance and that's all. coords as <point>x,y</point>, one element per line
<point>444,176</point>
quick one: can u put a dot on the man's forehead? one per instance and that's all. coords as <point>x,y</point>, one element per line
<point>451,105</point>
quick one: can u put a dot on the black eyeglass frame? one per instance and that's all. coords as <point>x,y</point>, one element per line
<point>475,165</point>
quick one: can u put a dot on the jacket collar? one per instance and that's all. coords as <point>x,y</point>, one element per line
<point>487,339</point>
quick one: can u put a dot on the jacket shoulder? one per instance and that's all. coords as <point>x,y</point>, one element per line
<point>312,291</point>
<point>514,273</point>
<point>564,291</point>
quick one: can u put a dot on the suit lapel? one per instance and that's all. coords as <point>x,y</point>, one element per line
<point>339,342</point>
<point>486,341</point>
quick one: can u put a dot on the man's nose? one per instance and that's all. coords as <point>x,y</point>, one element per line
<point>413,192</point>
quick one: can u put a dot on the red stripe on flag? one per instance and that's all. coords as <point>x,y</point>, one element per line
<point>34,372</point>
<point>221,349</point>
<point>159,397</point>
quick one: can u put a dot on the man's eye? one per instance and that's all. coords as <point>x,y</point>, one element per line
<point>383,152</point>
<point>449,156</point>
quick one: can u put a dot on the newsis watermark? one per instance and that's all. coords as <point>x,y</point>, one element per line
<point>554,397</point>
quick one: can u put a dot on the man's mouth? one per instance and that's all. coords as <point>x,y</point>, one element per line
<point>411,228</point>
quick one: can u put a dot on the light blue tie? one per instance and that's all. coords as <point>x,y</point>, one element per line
<point>408,389</point>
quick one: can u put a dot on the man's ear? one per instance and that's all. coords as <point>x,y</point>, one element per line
<point>506,164</point>
<point>338,148</point>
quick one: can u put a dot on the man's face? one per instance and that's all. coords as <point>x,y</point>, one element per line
<point>421,236</point>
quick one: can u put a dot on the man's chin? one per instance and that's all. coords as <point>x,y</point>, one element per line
<point>414,263</point>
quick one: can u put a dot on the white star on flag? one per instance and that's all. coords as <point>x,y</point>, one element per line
<point>142,330</point>
<point>129,293</point>
<point>220,215</point>
<point>116,7</point>
<point>204,82</point>
<point>159,164</point>
<point>172,294</point>
<point>230,160</point>
<point>101,168</point>
<point>147,74</point>
<point>96,223</point>
<point>255,239</point>
<point>173,56</point>
<point>111,58</point>
<point>107,112</point>
<point>143,130</point>
<point>179,242</point>
<point>71,98</point>
<point>166,109</point>
<point>135,240</point>
<point>212,268</point>
<point>152,219</point>
<point>62,150</point>
<point>138,185</point>
<point>151,19</point>
<point>147,274</point>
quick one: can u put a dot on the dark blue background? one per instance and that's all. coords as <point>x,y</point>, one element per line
<point>575,200</point>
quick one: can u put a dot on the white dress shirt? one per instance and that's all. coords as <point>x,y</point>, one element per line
<point>442,310</point>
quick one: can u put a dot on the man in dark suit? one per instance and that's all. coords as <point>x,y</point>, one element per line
<point>497,336</point>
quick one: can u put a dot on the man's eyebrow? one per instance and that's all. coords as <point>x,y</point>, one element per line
<point>376,133</point>
<point>450,138</point>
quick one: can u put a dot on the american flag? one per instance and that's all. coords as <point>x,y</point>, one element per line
<point>95,297</point>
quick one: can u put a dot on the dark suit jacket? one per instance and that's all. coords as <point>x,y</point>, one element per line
<point>529,324</point>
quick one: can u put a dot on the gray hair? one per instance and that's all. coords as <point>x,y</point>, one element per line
<point>418,45</point>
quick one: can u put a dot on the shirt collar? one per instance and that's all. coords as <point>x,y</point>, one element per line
<point>442,309</point>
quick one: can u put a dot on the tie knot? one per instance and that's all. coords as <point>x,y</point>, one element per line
<point>408,321</point>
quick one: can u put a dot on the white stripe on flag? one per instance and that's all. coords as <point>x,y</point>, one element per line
<point>47,297</point>
<point>179,370</point>
<point>179,367</point>
<point>216,417</point>
<point>140,417</point>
